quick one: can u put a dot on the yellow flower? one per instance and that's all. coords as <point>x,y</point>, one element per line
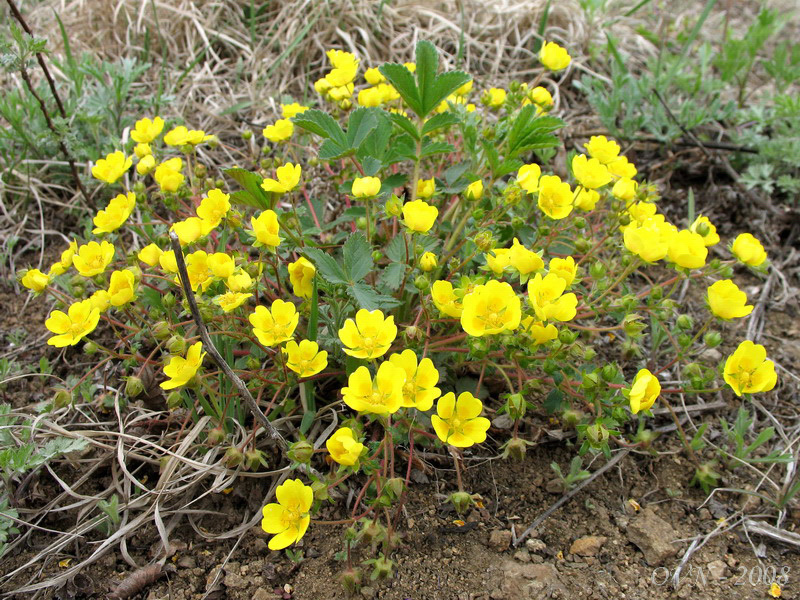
<point>587,199</point>
<point>540,332</point>
<point>280,131</point>
<point>305,358</point>
<point>706,229</point>
<point>79,321</point>
<point>370,97</point>
<point>115,214</point>
<point>644,391</point>
<point>748,250</point>
<point>150,254</point>
<point>465,89</point>
<point>523,260</point>
<point>748,371</point>
<point>382,395</point>
<point>374,76</point>
<point>474,190</point>
<point>35,280</point>
<point>625,189</point>
<point>774,590</point>
<point>541,97</point>
<point>426,188</point>
<point>168,175</point>
<point>528,177</point>
<point>554,57</point>
<point>458,422</point>
<point>101,300</point>
<point>604,150</point>
<point>419,390</point>
<point>641,211</point>
<point>369,335</point>
<point>222,265</point>
<point>168,261</point>
<point>122,287</point>
<point>145,130</point>
<point>343,447</point>
<point>651,240</point>
<point>345,67</point>
<point>555,197</point>
<point>301,274</point>
<point>494,97</point>
<point>180,136</point>
<point>266,229</point>
<point>410,66</point>
<point>292,110</point>
<point>590,172</point>
<point>214,207</point>
<point>239,281</point>
<point>93,258</point>
<point>66,257</point>
<point>190,230</point>
<point>446,300</point>
<point>419,216</point>
<point>727,301</point>
<point>565,268</point>
<point>230,301</point>
<point>288,178</point>
<point>428,262</point>
<point>687,249</point>
<point>198,270</point>
<point>498,259</point>
<point>146,165</point>
<point>620,167</point>
<point>288,519</point>
<point>366,187</point>
<point>490,309</point>
<point>142,150</point>
<point>546,296</point>
<point>112,167</point>
<point>274,325</point>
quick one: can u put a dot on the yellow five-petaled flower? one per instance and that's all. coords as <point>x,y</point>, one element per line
<point>369,335</point>
<point>288,519</point>
<point>458,422</point>
<point>180,370</point>
<point>71,327</point>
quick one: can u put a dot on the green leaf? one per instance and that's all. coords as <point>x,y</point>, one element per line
<point>491,156</point>
<point>357,254</point>
<point>405,124</point>
<point>360,124</point>
<point>434,88</point>
<point>327,266</point>
<point>392,275</point>
<point>376,144</point>
<point>251,182</point>
<point>396,249</point>
<point>430,148</point>
<point>322,124</point>
<point>554,401</point>
<point>403,81</point>
<point>530,131</point>
<point>444,119</point>
<point>444,85</point>
<point>331,150</point>
<point>245,198</point>
<point>366,297</point>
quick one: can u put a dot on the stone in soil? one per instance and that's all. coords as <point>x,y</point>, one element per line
<point>500,540</point>
<point>527,581</point>
<point>587,546</point>
<point>653,536</point>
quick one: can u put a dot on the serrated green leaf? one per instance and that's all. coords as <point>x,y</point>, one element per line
<point>530,131</point>
<point>405,124</point>
<point>251,182</point>
<point>327,266</point>
<point>403,81</point>
<point>427,61</point>
<point>322,124</point>
<point>430,148</point>
<point>357,255</point>
<point>360,124</point>
<point>508,166</point>
<point>396,249</point>
<point>444,119</point>
<point>393,181</point>
<point>245,198</point>
<point>392,275</point>
<point>491,156</point>
<point>455,172</point>
<point>366,297</point>
<point>444,85</point>
<point>331,150</point>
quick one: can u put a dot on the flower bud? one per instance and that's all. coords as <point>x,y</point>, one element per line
<point>579,222</point>
<point>684,340</point>
<point>200,171</point>
<point>461,501</point>
<point>253,363</point>
<point>168,300</point>
<point>625,220</point>
<point>161,330</point>
<point>726,271</point>
<point>233,457</point>
<point>589,353</point>
<point>516,406</point>
<point>582,245</point>
<point>187,149</point>
<point>394,206</point>
<point>609,372</point>
<point>597,434</point>
<point>212,141</point>
<point>90,348</point>
<point>246,135</point>
<point>478,214</point>
<point>320,490</point>
<point>422,283</point>
<point>61,397</point>
<point>516,449</point>
<point>478,347</point>
<point>567,336</point>
<point>645,437</point>
<point>350,580</point>
<point>266,164</point>
<point>394,487</point>
<point>301,452</point>
<point>685,322</point>
<point>517,223</point>
<point>571,417</point>
<point>512,195</point>
<point>412,332</point>
<point>361,223</point>
<point>428,262</point>
<point>597,270</point>
<point>712,339</point>
<point>377,255</point>
<point>656,293</point>
<point>381,568</point>
<point>216,436</point>
<point>176,345</point>
<point>632,325</point>
<point>590,380</point>
<point>484,241</point>
<point>174,400</point>
<point>253,459</point>
<point>133,387</point>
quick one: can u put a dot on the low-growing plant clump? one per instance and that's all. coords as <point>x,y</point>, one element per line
<point>405,264</point>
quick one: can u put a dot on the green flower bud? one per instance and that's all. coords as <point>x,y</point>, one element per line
<point>161,330</point>
<point>168,300</point>
<point>478,214</point>
<point>253,363</point>
<point>692,370</point>
<point>313,161</point>
<point>266,164</point>
<point>512,195</point>
<point>626,260</point>
<point>176,345</point>
<point>212,141</point>
<point>254,459</point>
<point>200,171</point>
<point>361,223</point>
<point>382,568</point>
<point>656,293</point>
<point>187,149</point>
<point>590,381</point>
<point>550,366</point>
<point>216,436</point>
<point>377,255</point>
<point>478,347</point>
<point>233,457</point>
<point>583,245</point>
<point>632,325</point>
<point>684,340</point>
<point>320,490</point>
<point>645,437</point>
<point>726,271</point>
<point>394,487</point>
<point>516,406</point>
<point>712,339</point>
<point>597,435</point>
<point>567,336</point>
<point>515,448</point>
<point>394,206</point>
<point>484,241</point>
<point>413,333</point>
<point>90,348</point>
<point>461,501</point>
<point>422,283</point>
<point>579,222</point>
<point>624,220</point>
<point>247,135</point>
<point>301,452</point>
<point>174,400</point>
<point>597,270</point>
<point>609,372</point>
<point>703,229</point>
<point>79,291</point>
<point>685,322</point>
<point>350,580</point>
<point>571,418</point>
<point>133,387</point>
<point>220,183</point>
<point>139,187</point>
<point>62,397</point>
